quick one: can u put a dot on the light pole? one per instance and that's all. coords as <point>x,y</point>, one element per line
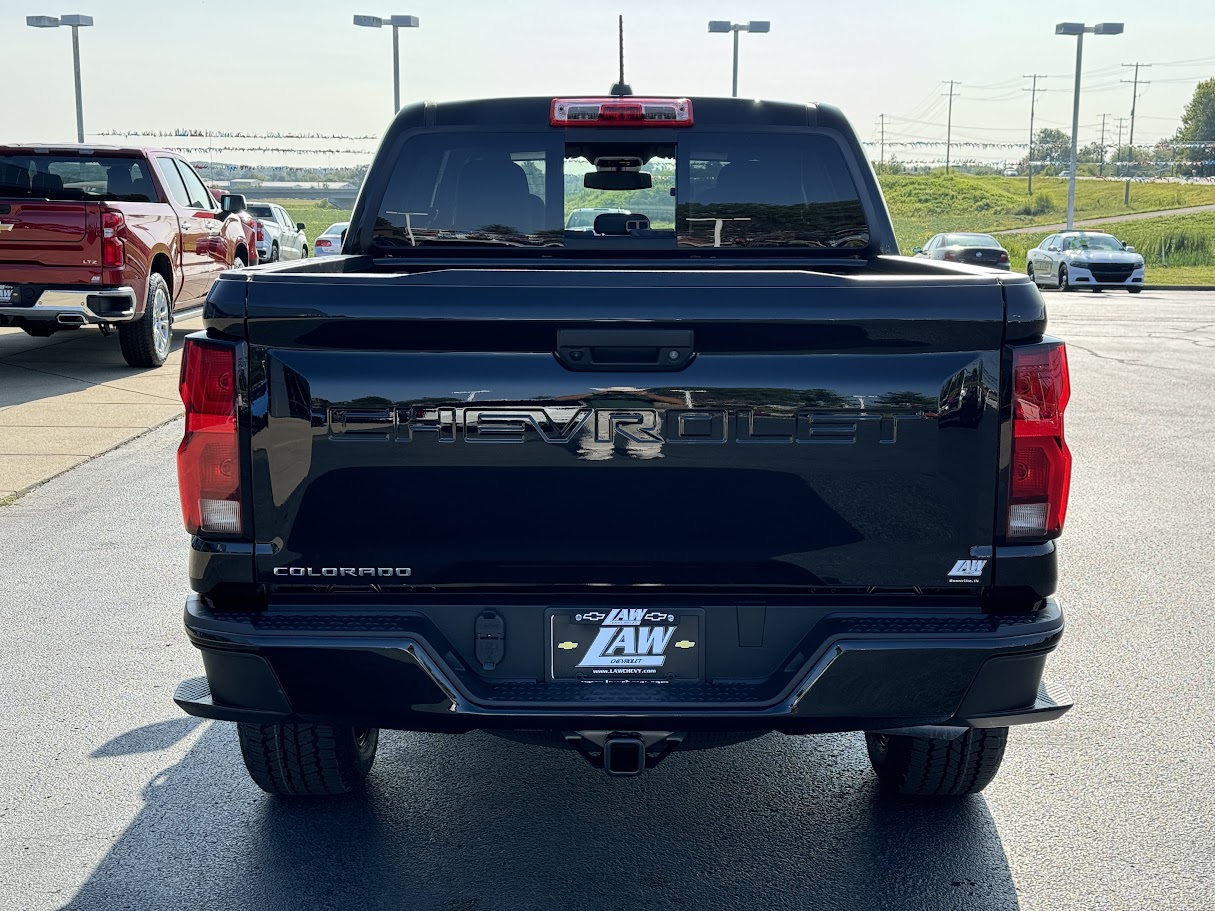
<point>1079,29</point>
<point>397,22</point>
<point>75,23</point>
<point>721,26</point>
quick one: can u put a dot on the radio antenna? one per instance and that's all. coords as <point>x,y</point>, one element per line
<point>621,88</point>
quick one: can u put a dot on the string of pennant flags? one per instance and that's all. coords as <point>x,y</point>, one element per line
<point>229,134</point>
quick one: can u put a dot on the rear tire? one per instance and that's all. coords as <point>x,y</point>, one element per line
<point>1029,272</point>
<point>146,342</point>
<point>304,255</point>
<point>40,331</point>
<point>926,767</point>
<point>273,254</point>
<point>307,760</point>
<point>1134,290</point>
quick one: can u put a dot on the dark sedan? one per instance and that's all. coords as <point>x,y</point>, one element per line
<point>974,249</point>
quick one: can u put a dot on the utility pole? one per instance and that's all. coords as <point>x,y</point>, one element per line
<point>882,165</point>
<point>1118,144</point>
<point>1126,196</point>
<point>1033,101</point>
<point>949,124</point>
<point>1101,164</point>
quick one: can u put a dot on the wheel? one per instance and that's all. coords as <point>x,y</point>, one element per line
<point>926,767</point>
<point>39,330</point>
<point>304,255</point>
<point>307,760</point>
<point>240,262</point>
<point>273,254</point>
<point>1063,284</point>
<point>1096,290</point>
<point>145,342</point>
<point>1029,272</point>
<point>1134,290</point>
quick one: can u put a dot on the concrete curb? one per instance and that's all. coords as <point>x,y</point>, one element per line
<point>1179,287</point>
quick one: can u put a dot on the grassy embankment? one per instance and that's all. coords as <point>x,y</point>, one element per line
<point>1177,249</point>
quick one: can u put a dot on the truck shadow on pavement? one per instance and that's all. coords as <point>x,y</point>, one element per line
<point>76,360</point>
<point>474,823</point>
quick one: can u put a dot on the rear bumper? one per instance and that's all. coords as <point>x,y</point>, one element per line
<point>858,670</point>
<point>77,306</point>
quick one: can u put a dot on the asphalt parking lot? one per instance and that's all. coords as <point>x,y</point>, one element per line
<point>110,798</point>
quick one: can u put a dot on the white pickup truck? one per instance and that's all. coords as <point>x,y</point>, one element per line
<point>278,237</point>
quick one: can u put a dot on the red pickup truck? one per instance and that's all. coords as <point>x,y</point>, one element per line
<point>110,236</point>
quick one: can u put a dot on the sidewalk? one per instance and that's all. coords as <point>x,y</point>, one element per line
<point>70,397</point>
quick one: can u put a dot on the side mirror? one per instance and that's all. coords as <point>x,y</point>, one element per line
<point>232,202</point>
<point>1128,248</point>
<point>299,226</point>
<point>1054,248</point>
<point>917,249</point>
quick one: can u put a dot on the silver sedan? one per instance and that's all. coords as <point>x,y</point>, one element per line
<point>1085,259</point>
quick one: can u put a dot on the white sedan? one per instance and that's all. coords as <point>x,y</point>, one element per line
<point>1085,259</point>
<point>330,243</point>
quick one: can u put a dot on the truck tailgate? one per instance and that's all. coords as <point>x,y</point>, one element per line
<point>438,430</point>
<point>50,233</point>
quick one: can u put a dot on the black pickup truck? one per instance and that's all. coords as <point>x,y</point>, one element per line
<point>720,464</point>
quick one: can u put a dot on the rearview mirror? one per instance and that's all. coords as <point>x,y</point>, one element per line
<point>232,202</point>
<point>299,226</point>
<point>617,180</point>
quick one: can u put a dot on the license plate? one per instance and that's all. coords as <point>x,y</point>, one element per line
<point>625,644</point>
<point>7,292</point>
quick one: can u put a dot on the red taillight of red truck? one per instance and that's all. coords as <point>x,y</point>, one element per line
<point>1041,467</point>
<point>112,253</point>
<point>208,463</point>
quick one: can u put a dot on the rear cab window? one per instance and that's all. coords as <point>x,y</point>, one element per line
<point>690,190</point>
<point>75,177</point>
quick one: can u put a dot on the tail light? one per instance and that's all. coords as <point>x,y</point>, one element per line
<point>950,255</point>
<point>1003,258</point>
<point>261,235</point>
<point>208,463</point>
<point>1041,470</point>
<point>112,254</point>
<point>321,242</point>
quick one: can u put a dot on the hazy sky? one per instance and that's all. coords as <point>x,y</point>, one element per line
<point>270,65</point>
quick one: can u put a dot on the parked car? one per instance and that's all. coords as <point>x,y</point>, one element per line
<point>246,220</point>
<point>614,492</point>
<point>110,236</point>
<point>976,249</point>
<point>278,237</point>
<point>1085,259</point>
<point>1010,172</point>
<point>330,243</point>
<point>584,219</point>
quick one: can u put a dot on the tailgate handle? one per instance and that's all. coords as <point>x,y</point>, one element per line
<point>624,349</point>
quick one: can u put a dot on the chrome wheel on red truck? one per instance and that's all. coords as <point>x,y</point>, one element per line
<point>146,342</point>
